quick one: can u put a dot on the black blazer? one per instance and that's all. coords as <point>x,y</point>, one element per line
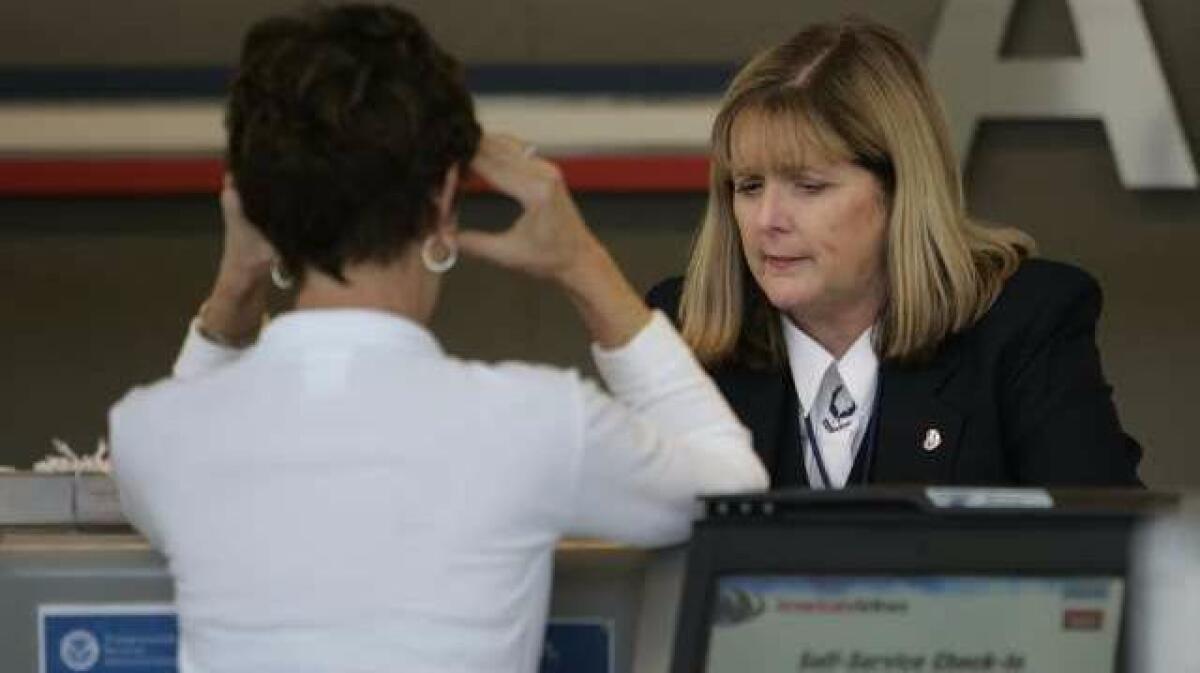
<point>1018,399</point>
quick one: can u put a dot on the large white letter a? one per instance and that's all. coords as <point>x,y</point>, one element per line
<point>1118,79</point>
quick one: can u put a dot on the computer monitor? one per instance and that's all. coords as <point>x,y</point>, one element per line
<point>908,581</point>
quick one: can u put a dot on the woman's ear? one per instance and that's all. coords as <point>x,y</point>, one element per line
<point>443,201</point>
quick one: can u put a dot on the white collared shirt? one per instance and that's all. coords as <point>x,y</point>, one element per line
<point>859,370</point>
<point>344,496</point>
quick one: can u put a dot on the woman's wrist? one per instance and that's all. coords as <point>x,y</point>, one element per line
<point>238,276</point>
<point>612,312</point>
<point>222,336</point>
<point>233,313</point>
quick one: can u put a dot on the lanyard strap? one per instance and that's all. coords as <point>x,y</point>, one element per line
<point>867,444</point>
<point>816,453</point>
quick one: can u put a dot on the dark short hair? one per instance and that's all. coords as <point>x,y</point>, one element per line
<point>342,124</point>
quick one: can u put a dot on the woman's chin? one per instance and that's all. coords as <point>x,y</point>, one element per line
<point>788,300</point>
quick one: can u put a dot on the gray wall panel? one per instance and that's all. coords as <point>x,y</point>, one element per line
<point>146,32</point>
<point>104,288</point>
<point>98,290</point>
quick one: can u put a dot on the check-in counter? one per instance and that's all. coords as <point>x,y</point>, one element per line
<point>64,544</point>
<point>66,555</point>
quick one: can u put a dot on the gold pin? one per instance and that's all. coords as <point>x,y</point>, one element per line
<point>933,439</point>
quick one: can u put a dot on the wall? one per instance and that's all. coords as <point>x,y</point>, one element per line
<point>99,290</point>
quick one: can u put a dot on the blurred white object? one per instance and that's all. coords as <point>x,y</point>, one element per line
<point>1167,589</point>
<point>70,462</point>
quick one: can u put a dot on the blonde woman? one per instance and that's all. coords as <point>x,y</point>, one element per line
<point>859,323</point>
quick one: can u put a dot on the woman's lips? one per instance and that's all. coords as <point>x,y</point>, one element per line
<point>783,262</point>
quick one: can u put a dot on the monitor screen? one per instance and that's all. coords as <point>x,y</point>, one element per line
<point>914,623</point>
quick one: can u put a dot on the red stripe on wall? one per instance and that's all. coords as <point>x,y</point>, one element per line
<point>135,177</point>
<point>109,177</point>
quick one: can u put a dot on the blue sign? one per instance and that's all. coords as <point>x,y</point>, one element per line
<point>139,638</point>
<point>125,638</point>
<point>582,646</point>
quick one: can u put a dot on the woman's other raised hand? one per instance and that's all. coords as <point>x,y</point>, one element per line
<point>550,240</point>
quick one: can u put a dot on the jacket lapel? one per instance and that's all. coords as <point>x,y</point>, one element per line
<point>765,401</point>
<point>919,431</point>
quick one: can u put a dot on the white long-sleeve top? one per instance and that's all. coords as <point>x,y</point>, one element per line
<point>344,496</point>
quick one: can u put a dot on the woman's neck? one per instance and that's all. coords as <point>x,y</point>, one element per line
<point>837,328</point>
<point>398,287</point>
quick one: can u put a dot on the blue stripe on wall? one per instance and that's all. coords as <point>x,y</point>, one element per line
<point>46,83</point>
<point>660,80</point>
<point>40,83</point>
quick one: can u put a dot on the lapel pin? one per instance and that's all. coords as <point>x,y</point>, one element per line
<point>933,439</point>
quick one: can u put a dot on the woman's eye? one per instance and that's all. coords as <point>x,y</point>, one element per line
<point>812,186</point>
<point>747,186</point>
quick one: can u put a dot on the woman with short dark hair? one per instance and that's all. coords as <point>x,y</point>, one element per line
<point>341,125</point>
<point>338,494</point>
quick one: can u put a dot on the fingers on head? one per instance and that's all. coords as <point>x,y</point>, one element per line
<point>548,181</point>
<point>229,192</point>
<point>504,161</point>
<point>503,144</point>
<point>231,202</point>
<point>484,245</point>
<point>506,149</point>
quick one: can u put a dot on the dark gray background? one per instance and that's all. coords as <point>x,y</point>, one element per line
<point>99,291</point>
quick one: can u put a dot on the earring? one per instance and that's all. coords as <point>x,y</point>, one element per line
<point>280,277</point>
<point>435,265</point>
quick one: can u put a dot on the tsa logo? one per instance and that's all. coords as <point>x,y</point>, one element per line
<point>79,650</point>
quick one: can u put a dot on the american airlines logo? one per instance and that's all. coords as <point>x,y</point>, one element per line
<point>1117,79</point>
<point>842,606</point>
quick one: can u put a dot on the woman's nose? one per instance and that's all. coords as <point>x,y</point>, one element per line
<point>772,210</point>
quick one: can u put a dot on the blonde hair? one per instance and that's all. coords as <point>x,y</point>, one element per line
<point>851,90</point>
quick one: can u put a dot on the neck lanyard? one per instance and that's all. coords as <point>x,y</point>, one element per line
<point>867,444</point>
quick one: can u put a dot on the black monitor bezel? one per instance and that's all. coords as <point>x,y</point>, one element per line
<point>868,541</point>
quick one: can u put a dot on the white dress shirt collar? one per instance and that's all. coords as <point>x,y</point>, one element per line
<point>858,370</point>
<point>808,360</point>
<point>349,326</point>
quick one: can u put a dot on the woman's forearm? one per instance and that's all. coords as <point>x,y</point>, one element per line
<point>612,312</point>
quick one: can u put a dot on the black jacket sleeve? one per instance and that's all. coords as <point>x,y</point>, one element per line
<point>1060,421</point>
<point>665,297</point>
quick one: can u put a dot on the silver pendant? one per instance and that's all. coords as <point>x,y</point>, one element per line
<point>933,439</point>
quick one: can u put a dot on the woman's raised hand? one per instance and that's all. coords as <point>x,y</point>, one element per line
<point>247,256</point>
<point>550,240</point>
<point>234,309</point>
